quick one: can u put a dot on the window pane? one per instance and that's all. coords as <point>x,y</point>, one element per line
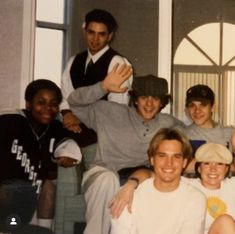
<point>50,11</point>
<point>48,54</point>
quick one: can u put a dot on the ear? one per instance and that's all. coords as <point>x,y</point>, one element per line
<point>185,162</point>
<point>110,37</point>
<point>227,168</point>
<point>84,30</point>
<point>199,169</point>
<point>186,111</point>
<point>28,105</point>
<point>213,108</point>
<point>151,161</point>
<point>136,103</point>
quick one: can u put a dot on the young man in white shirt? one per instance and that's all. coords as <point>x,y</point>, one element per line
<point>99,30</point>
<point>164,203</point>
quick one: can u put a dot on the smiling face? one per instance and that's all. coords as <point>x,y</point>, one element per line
<point>201,113</point>
<point>97,36</point>
<point>148,107</point>
<point>212,173</point>
<point>44,106</point>
<point>168,163</point>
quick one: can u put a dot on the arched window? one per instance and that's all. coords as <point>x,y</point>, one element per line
<point>207,56</point>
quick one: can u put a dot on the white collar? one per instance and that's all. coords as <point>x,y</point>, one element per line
<point>96,56</point>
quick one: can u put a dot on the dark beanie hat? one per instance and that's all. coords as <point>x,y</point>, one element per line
<point>150,85</point>
<point>199,92</point>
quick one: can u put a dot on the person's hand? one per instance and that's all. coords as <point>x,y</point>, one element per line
<point>66,161</point>
<point>71,122</point>
<point>118,75</point>
<point>122,198</point>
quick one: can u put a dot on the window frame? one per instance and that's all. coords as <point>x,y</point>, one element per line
<point>64,27</point>
<point>28,40</point>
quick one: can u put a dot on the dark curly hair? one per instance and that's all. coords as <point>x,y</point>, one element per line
<point>101,16</point>
<point>134,96</point>
<point>35,86</point>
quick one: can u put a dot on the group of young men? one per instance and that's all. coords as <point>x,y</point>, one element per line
<point>103,103</point>
<point>124,133</point>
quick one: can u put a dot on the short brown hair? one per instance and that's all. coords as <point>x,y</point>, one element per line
<point>170,134</point>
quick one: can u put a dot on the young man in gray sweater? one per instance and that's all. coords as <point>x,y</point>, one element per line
<point>124,133</point>
<point>200,106</point>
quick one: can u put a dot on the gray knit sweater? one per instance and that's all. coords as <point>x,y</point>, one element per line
<point>123,136</point>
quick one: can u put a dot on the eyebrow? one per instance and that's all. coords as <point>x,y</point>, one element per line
<point>175,154</point>
<point>100,32</point>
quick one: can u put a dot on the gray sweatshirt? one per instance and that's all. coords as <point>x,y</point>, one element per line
<point>219,134</point>
<point>123,136</point>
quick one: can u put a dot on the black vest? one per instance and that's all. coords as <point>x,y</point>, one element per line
<point>98,72</point>
<point>80,79</point>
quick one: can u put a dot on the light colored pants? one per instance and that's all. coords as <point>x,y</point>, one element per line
<point>99,185</point>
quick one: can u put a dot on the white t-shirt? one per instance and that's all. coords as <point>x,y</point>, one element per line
<point>181,211</point>
<point>219,201</point>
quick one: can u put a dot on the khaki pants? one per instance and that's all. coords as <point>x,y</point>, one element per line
<point>99,185</point>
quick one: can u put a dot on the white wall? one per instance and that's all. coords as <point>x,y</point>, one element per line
<point>11,15</point>
<point>16,51</point>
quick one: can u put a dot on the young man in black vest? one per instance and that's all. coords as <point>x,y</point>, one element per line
<point>91,66</point>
